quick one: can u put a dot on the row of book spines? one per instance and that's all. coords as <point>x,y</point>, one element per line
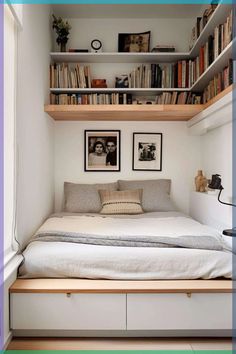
<point>122,98</point>
<point>91,99</point>
<point>222,32</point>
<point>200,24</point>
<point>181,75</point>
<point>219,83</point>
<point>178,98</point>
<point>65,76</point>
<point>223,35</point>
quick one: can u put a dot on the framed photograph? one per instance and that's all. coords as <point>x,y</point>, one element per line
<point>102,150</point>
<point>134,42</point>
<point>147,151</point>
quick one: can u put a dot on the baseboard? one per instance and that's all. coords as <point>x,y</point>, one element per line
<point>128,333</point>
<point>8,339</point>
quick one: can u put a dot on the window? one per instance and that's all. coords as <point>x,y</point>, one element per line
<point>10,36</point>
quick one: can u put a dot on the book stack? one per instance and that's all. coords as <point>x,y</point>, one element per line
<point>183,74</point>
<point>90,99</point>
<point>163,49</point>
<point>219,83</point>
<point>164,75</point>
<point>68,76</point>
<point>140,77</point>
<point>124,98</point>
<point>207,53</point>
<point>178,98</point>
<point>200,24</point>
<point>222,35</point>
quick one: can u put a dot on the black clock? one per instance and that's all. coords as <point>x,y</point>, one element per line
<point>96,45</point>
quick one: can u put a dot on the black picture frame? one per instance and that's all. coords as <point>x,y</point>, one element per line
<point>134,42</point>
<point>147,151</point>
<point>102,150</point>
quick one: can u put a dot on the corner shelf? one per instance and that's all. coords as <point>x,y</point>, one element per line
<point>218,64</point>
<point>129,112</point>
<point>123,112</point>
<point>144,112</point>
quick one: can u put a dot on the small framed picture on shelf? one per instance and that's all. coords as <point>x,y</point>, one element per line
<point>147,151</point>
<point>134,42</point>
<point>102,150</point>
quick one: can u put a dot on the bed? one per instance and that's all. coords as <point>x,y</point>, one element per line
<point>156,273</point>
<point>154,245</point>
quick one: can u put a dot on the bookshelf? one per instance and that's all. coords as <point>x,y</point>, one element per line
<point>143,112</point>
<point>219,16</point>
<point>213,69</point>
<point>130,112</point>
<point>115,57</point>
<point>123,112</point>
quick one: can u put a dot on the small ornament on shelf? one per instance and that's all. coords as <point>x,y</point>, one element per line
<point>62,29</point>
<point>200,182</point>
<point>99,83</point>
<point>163,48</point>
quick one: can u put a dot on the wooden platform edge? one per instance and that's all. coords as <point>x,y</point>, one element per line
<point>117,286</point>
<point>130,112</point>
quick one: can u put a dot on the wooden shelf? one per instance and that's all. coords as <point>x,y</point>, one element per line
<point>123,112</point>
<point>130,112</point>
<point>145,91</point>
<point>120,286</point>
<point>115,57</point>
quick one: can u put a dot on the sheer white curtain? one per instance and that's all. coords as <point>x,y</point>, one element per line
<point>10,51</point>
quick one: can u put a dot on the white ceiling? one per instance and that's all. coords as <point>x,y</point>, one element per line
<point>126,11</point>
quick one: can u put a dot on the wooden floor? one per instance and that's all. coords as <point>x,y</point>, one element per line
<point>190,344</point>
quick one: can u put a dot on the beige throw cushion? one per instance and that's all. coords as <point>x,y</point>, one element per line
<point>121,202</point>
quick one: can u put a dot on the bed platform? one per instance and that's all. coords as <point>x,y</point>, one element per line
<point>83,307</point>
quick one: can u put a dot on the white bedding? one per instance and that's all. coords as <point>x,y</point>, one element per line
<point>67,259</point>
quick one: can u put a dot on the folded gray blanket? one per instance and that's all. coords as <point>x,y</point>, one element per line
<point>196,242</point>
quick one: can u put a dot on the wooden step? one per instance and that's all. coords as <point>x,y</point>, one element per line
<point>120,286</point>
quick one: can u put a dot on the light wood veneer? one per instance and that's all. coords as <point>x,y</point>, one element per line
<point>120,286</point>
<point>129,112</point>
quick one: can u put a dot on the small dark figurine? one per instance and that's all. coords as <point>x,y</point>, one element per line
<point>215,182</point>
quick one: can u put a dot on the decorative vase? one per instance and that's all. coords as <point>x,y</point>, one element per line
<point>200,182</point>
<point>63,46</point>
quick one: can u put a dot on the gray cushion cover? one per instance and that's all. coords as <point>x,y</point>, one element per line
<point>156,193</point>
<point>84,198</point>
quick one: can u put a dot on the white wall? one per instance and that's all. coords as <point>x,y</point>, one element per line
<point>217,156</point>
<point>163,31</point>
<point>181,156</point>
<point>35,132</point>
<point>216,151</point>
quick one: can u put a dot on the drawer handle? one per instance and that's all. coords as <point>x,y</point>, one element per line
<point>68,294</point>
<point>189,295</point>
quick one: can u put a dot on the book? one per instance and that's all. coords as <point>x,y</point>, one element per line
<point>72,50</point>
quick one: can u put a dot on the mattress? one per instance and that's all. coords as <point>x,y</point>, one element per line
<point>50,257</point>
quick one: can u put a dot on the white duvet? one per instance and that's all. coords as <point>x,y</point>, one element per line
<point>68,259</point>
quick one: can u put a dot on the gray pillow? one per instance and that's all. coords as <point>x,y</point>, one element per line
<point>84,198</point>
<point>156,193</point>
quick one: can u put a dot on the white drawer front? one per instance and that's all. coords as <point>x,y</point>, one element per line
<point>177,311</point>
<point>79,311</point>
